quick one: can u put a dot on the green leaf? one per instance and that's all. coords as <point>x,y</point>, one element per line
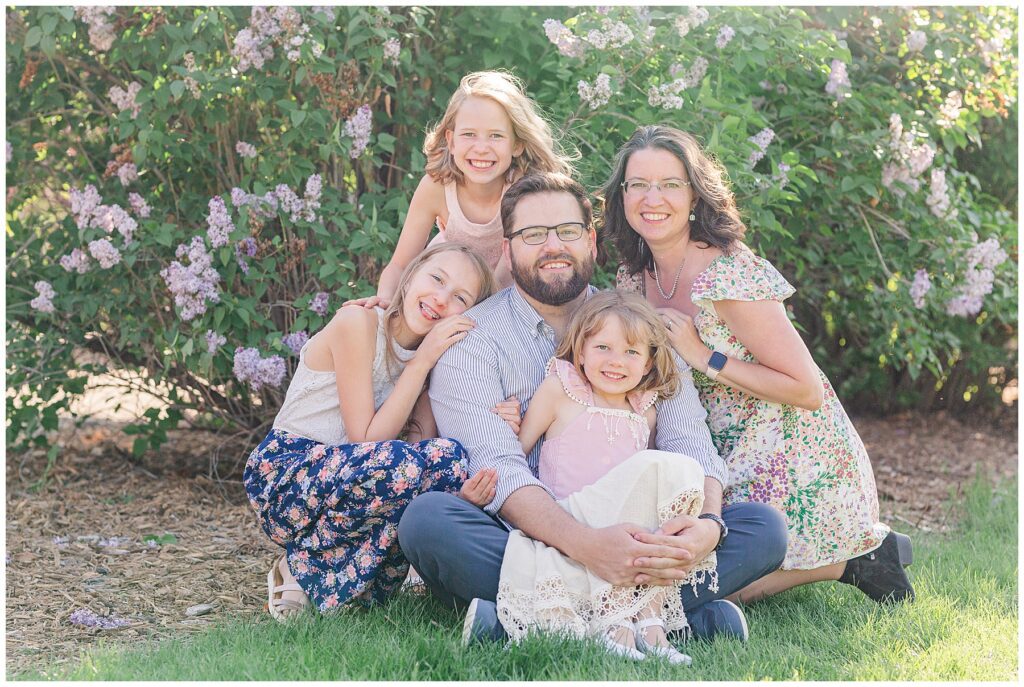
<point>32,37</point>
<point>327,269</point>
<point>49,23</point>
<point>177,88</point>
<point>298,116</point>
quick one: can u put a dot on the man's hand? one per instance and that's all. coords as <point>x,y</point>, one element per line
<point>480,488</point>
<point>611,552</point>
<point>685,541</point>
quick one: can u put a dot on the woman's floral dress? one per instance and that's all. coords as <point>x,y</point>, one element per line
<point>812,466</point>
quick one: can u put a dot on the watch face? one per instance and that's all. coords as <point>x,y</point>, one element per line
<point>717,361</point>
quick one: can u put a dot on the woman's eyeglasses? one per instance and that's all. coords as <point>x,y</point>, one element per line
<point>534,236</point>
<point>641,186</point>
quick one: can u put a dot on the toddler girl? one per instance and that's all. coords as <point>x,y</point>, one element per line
<point>330,481</point>
<point>596,410</point>
<point>491,134</point>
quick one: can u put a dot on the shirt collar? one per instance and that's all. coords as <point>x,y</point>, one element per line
<point>530,318</point>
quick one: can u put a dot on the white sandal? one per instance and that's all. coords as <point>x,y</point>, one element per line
<point>617,649</point>
<point>670,653</point>
<point>282,609</point>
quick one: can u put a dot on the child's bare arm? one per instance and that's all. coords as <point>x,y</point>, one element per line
<point>426,204</point>
<point>541,412</point>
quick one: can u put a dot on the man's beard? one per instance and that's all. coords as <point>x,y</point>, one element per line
<point>559,292</point>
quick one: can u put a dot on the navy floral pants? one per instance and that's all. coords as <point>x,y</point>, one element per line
<point>335,509</point>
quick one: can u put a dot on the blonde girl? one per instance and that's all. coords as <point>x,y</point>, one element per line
<point>331,480</point>
<point>596,411</point>
<point>490,135</point>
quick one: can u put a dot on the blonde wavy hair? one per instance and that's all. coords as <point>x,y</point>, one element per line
<point>488,285</point>
<point>642,326</point>
<point>539,148</point>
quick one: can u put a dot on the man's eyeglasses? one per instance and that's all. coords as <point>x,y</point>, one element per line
<point>641,186</point>
<point>534,236</point>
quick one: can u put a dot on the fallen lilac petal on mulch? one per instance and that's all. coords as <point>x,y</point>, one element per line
<point>86,618</point>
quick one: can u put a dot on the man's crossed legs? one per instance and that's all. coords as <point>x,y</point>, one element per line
<point>457,550</point>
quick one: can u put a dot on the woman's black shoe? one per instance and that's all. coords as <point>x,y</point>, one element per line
<point>880,573</point>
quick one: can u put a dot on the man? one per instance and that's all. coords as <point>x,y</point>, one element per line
<point>457,548</point>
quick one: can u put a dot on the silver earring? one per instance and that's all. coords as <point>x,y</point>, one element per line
<point>692,216</point>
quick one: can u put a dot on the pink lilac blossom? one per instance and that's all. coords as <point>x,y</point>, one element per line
<point>916,40</point>
<point>101,31</point>
<point>612,35</point>
<point>111,217</point>
<point>84,204</point>
<point>42,302</point>
<point>358,128</point>
<point>761,139</point>
<point>982,259</point>
<point>127,173</point>
<point>781,177</point>
<point>567,43</point>
<point>724,36</point>
<point>214,341</point>
<point>319,303</point>
<point>125,99</point>
<point>105,253</point>
<point>139,205</point>
<point>938,199</point>
<point>194,284</point>
<point>86,618</point>
<point>218,222</point>
<point>392,50</point>
<point>920,288</point>
<point>75,261</point>
<point>246,150</point>
<point>597,95</point>
<point>838,82</point>
<point>245,247</point>
<point>908,160</point>
<point>295,341</point>
<point>950,110</point>
<point>249,368</point>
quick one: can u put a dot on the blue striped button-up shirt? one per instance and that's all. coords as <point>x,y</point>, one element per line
<point>505,355</point>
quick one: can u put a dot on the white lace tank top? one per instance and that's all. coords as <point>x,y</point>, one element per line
<point>311,406</point>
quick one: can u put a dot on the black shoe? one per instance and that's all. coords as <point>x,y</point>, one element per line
<point>880,573</point>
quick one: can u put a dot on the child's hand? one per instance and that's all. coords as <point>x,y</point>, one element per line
<point>480,488</point>
<point>446,332</point>
<point>370,302</point>
<point>508,410</point>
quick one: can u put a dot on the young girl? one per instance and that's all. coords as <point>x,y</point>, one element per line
<point>596,410</point>
<point>330,482</point>
<point>491,134</point>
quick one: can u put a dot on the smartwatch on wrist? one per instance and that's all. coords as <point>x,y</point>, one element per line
<point>715,364</point>
<point>721,526</point>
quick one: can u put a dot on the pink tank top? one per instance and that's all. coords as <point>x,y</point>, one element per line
<point>596,441</point>
<point>485,239</point>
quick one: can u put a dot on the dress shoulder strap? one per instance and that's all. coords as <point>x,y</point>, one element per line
<point>576,387</point>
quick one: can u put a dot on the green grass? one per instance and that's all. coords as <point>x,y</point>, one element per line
<point>962,627</point>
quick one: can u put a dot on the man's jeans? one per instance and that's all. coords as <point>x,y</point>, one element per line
<point>457,549</point>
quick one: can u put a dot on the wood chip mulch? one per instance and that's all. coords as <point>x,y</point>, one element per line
<point>144,543</point>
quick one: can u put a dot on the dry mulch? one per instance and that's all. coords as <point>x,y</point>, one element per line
<point>79,541</point>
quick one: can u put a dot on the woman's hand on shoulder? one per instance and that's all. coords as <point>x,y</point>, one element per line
<point>682,333</point>
<point>443,336</point>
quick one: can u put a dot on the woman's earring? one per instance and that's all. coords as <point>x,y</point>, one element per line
<point>692,216</point>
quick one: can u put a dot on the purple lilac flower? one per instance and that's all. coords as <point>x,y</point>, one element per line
<point>950,110</point>
<point>125,99</point>
<point>249,368</point>
<point>319,303</point>
<point>782,175</point>
<point>127,173</point>
<point>105,253</point>
<point>194,284</point>
<point>42,302</point>
<point>559,34</point>
<point>247,247</point>
<point>761,139</point>
<point>101,31</point>
<point>246,150</point>
<point>139,205</point>
<point>314,186</point>
<point>296,341</point>
<point>392,50</point>
<point>111,217</point>
<point>724,36</point>
<point>982,259</point>
<point>219,223</point>
<point>597,95</point>
<point>838,82</point>
<point>916,40</point>
<point>75,261</point>
<point>358,128</point>
<point>86,618</point>
<point>84,204</point>
<point>938,200</point>
<point>214,341</point>
<point>920,288</point>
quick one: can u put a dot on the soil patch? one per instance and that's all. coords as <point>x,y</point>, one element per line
<point>145,541</point>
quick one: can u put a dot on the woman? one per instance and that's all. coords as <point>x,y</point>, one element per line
<point>773,415</point>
